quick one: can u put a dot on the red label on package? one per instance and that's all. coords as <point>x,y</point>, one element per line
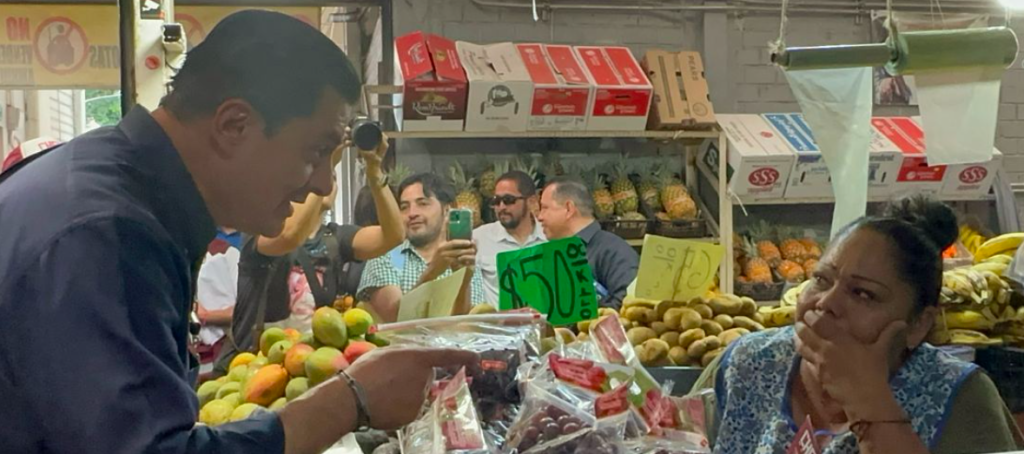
<point>763,177</point>
<point>457,416</point>
<point>560,101</point>
<point>658,411</point>
<point>578,372</point>
<point>902,132</point>
<point>612,403</point>
<point>536,64</point>
<point>566,65</point>
<point>973,175</point>
<point>621,103</point>
<point>915,169</point>
<point>611,339</point>
<point>804,441</point>
<point>492,365</point>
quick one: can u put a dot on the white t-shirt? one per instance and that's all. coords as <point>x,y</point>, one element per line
<point>492,239</point>
<point>217,288</point>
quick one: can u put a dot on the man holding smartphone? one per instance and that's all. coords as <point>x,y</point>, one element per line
<point>427,254</point>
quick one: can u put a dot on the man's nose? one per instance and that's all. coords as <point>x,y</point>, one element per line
<point>322,181</point>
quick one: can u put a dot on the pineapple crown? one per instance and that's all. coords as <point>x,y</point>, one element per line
<point>397,174</point>
<point>458,177</point>
<point>530,169</point>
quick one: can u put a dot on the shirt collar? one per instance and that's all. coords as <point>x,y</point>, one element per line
<point>179,206</point>
<point>538,232</point>
<point>588,232</point>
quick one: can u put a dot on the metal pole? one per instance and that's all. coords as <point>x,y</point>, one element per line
<point>126,10</point>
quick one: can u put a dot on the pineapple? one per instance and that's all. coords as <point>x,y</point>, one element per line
<point>766,248</point>
<point>553,167</point>
<point>813,249</point>
<point>648,190</point>
<point>791,271</point>
<point>676,199</point>
<point>793,250</point>
<point>623,190</point>
<point>604,205</point>
<point>522,166</point>
<point>756,270</point>
<point>809,265</point>
<point>489,178</point>
<point>395,177</point>
<point>465,196</point>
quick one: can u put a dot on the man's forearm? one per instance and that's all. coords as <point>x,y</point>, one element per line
<point>318,419</point>
<point>221,317</point>
<point>388,214</point>
<point>297,228</point>
<point>464,302</point>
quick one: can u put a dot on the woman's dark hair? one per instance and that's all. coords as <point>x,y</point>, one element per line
<point>364,213</point>
<point>920,228</point>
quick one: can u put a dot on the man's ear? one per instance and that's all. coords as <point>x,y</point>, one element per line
<point>234,123</point>
<point>920,326</point>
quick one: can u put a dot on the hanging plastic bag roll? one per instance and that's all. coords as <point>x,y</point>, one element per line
<point>833,57</point>
<point>958,74</point>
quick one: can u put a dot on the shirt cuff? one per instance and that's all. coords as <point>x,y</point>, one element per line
<point>259,433</point>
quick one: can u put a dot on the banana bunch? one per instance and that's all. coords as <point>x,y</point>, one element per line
<point>997,264</point>
<point>971,239</point>
<point>967,337</point>
<point>965,286</point>
<point>1001,245</point>
<point>792,296</point>
<point>778,316</point>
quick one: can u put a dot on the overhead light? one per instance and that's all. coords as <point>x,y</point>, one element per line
<point>1013,4</point>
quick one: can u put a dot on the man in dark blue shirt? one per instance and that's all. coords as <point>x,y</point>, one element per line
<point>100,239</point>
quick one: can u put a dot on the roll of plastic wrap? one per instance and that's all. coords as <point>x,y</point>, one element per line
<point>834,57</point>
<point>944,50</point>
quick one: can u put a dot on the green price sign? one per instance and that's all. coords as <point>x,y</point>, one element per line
<point>553,278</point>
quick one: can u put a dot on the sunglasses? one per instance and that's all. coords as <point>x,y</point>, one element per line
<point>506,199</point>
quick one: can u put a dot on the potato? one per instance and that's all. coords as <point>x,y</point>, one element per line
<point>584,326</point>
<point>704,310</point>
<point>729,336</point>
<point>633,314</point>
<point>745,322</point>
<point>690,336</point>
<point>601,312</point>
<point>659,328</point>
<point>748,307</point>
<point>582,337</point>
<point>640,335</point>
<point>652,352</point>
<point>710,356</point>
<point>726,304</point>
<point>724,321</point>
<point>671,338</point>
<point>664,306</point>
<point>682,318</point>
<point>711,328</point>
<point>679,357</point>
<point>698,348</point>
<point>759,318</point>
<point>712,342</point>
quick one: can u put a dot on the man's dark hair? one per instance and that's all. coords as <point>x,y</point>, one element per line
<point>524,183</point>
<point>275,62</point>
<point>568,188</point>
<point>433,186</point>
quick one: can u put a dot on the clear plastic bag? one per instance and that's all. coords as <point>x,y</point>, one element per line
<point>545,420</point>
<point>450,425</point>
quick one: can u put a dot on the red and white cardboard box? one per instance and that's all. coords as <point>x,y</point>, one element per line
<point>622,96</point>
<point>915,175</point>
<point>884,164</point>
<point>809,177</point>
<point>500,89</point>
<point>561,89</point>
<point>969,180</point>
<point>759,161</point>
<point>433,81</point>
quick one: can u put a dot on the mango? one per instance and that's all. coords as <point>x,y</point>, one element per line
<point>295,359</point>
<point>235,399</point>
<point>278,350</point>
<point>357,349</point>
<point>278,404</point>
<point>377,340</point>
<point>307,338</point>
<point>207,392</point>
<point>358,321</point>
<point>267,385</point>
<point>241,359</point>
<point>293,335</point>
<point>259,362</point>
<point>329,327</point>
<point>215,413</point>
<point>243,411</point>
<point>228,388</point>
<point>296,387</point>
<point>270,337</point>
<point>324,363</point>
<point>237,374</point>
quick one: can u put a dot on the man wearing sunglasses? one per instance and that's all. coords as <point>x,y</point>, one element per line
<point>515,229</point>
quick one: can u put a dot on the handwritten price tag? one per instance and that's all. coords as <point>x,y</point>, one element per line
<point>676,270</point>
<point>554,278</point>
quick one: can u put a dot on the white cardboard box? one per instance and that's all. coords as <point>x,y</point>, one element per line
<point>915,175</point>
<point>759,160</point>
<point>972,180</point>
<point>622,93</point>
<point>883,166</point>
<point>500,89</point>
<point>561,89</point>
<point>809,177</point>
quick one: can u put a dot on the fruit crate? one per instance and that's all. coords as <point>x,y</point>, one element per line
<point>627,230</point>
<point>760,291</point>
<point>681,228</point>
<point>1005,365</point>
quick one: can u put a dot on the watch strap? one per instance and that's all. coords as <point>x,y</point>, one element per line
<point>362,409</point>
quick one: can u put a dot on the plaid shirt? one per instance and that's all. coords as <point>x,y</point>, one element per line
<point>381,272</point>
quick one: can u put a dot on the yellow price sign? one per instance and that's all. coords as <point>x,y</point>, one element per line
<point>677,270</point>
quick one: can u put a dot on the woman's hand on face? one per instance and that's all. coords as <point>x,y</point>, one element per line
<point>853,373</point>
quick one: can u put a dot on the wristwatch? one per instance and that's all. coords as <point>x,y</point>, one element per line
<point>362,409</point>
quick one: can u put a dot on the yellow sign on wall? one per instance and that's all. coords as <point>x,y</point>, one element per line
<point>76,46</point>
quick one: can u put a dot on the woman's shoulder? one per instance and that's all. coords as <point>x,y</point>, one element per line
<point>978,420</point>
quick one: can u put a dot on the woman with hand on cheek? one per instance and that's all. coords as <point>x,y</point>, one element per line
<point>856,364</point>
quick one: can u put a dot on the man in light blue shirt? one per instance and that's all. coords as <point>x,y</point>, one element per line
<point>515,229</point>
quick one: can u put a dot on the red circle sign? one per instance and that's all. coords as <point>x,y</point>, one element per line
<point>973,174</point>
<point>763,177</point>
<point>61,45</point>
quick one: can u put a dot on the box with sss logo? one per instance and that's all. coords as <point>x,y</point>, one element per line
<point>968,180</point>
<point>759,162</point>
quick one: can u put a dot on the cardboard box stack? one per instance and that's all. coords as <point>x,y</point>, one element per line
<point>500,89</point>
<point>561,91</point>
<point>915,175</point>
<point>622,93</point>
<point>759,162</point>
<point>681,96</point>
<point>433,83</point>
<point>809,177</point>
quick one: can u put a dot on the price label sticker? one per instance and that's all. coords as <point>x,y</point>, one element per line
<point>553,278</point>
<point>676,270</point>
